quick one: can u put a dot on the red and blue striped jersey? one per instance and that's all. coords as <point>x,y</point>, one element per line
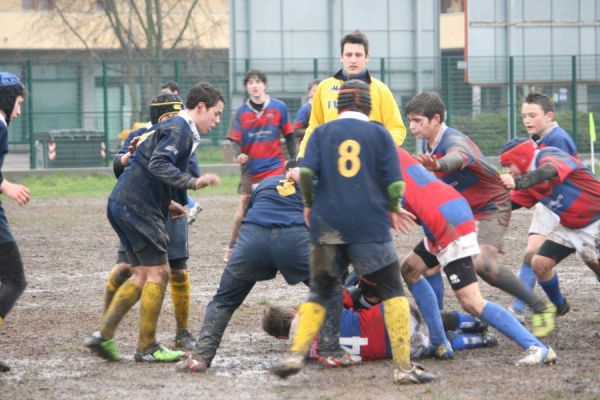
<point>443,213</point>
<point>259,136</point>
<point>476,180</point>
<point>558,138</point>
<point>574,195</point>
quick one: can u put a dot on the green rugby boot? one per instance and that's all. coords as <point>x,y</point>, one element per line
<point>158,353</point>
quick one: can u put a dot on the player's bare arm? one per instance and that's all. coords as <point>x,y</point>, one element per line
<point>19,193</point>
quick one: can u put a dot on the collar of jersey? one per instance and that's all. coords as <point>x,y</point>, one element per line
<point>438,138</point>
<point>188,118</point>
<point>354,115</point>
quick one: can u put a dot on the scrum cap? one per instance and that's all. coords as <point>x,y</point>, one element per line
<point>164,104</point>
<point>355,95</point>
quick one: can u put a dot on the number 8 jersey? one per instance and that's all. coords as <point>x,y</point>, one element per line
<point>355,160</point>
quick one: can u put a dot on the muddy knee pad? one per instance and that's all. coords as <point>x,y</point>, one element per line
<point>12,276</point>
<point>387,281</point>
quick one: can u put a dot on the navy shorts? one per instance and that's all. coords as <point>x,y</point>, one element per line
<point>6,235</point>
<point>145,239</point>
<point>366,258</point>
<point>260,252</point>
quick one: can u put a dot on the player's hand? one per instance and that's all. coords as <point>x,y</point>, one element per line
<point>15,191</point>
<point>402,220</point>
<point>307,212</point>
<point>429,162</point>
<point>508,181</point>
<point>293,174</point>
<point>242,158</point>
<point>176,210</point>
<point>208,179</point>
<point>133,144</point>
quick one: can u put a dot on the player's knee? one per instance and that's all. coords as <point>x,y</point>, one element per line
<point>410,270</point>
<point>541,264</point>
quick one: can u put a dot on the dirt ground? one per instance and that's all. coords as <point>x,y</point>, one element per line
<point>68,249</point>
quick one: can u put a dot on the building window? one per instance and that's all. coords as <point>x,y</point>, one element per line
<point>37,4</point>
<point>452,6</point>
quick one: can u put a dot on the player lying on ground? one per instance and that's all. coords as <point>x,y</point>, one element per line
<point>363,331</point>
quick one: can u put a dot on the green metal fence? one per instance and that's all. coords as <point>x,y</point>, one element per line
<point>482,94</point>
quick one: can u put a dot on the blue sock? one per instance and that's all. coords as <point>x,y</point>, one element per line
<point>462,341</point>
<point>501,319</point>
<point>465,321</point>
<point>527,276</point>
<point>427,302</point>
<point>552,289</point>
<point>191,202</point>
<point>437,284</point>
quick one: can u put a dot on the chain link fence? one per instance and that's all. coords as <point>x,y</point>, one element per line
<point>483,94</point>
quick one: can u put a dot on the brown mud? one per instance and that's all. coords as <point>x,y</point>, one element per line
<point>68,249</point>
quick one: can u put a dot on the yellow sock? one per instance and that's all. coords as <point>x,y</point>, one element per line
<point>150,306</point>
<point>311,319</point>
<point>114,282</point>
<point>180,294</point>
<point>397,323</point>
<point>125,297</point>
<point>1,322</point>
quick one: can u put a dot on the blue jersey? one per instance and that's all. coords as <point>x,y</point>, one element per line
<point>476,180</point>
<point>355,161</point>
<point>270,209</point>
<point>118,168</point>
<point>155,174</point>
<point>559,138</point>
<point>3,145</point>
<point>303,116</point>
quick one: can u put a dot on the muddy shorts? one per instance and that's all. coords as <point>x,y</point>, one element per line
<point>245,186</point>
<point>366,258</point>
<point>260,252</point>
<point>492,229</point>
<point>544,221</point>
<point>144,238</point>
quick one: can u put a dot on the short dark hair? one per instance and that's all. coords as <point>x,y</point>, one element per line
<point>205,93</point>
<point>541,100</point>
<point>355,37</point>
<point>354,95</point>
<point>427,104</point>
<point>255,73</point>
<point>172,86</point>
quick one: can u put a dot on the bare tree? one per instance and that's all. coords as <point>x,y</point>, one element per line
<point>146,31</point>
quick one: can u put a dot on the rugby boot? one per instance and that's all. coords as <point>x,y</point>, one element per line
<point>563,309</point>
<point>184,340</point>
<point>538,355</point>
<point>443,351</point>
<point>342,360</point>
<point>158,353</point>
<point>415,375</point>
<point>105,348</point>
<point>488,339</point>
<point>290,365</point>
<point>192,363</point>
<point>478,326</point>
<point>543,323</point>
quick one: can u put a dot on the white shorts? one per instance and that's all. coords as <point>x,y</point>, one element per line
<point>583,240</point>
<point>462,247</point>
<point>544,221</point>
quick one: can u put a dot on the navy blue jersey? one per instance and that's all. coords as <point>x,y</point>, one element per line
<point>355,161</point>
<point>118,168</point>
<point>3,145</point>
<point>270,209</point>
<point>558,137</point>
<point>156,172</point>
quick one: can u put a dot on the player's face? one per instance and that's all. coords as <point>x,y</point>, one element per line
<point>256,89</point>
<point>208,118</point>
<point>16,112</point>
<point>512,169</point>
<point>354,60</point>
<point>423,127</point>
<point>534,119</point>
